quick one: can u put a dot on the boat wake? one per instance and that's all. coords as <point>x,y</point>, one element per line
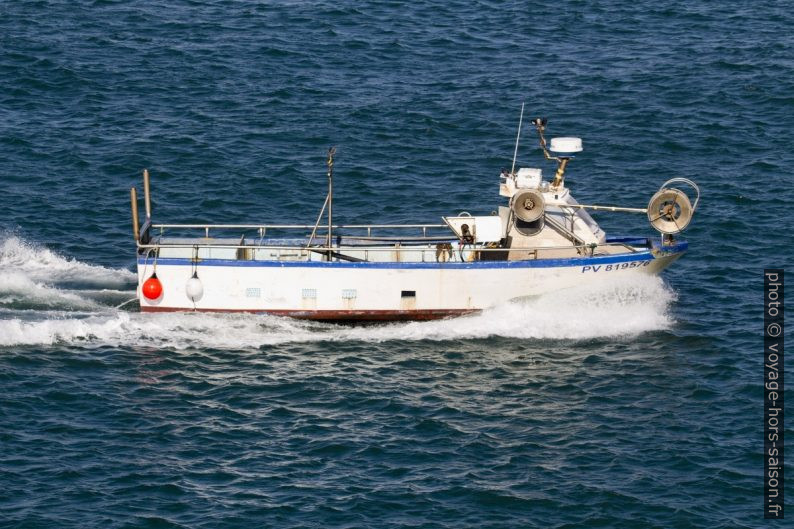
<point>48,299</point>
<point>35,278</point>
<point>41,264</point>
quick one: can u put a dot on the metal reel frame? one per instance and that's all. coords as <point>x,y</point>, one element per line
<point>670,210</point>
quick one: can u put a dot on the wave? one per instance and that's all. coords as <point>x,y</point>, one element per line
<point>613,307</point>
<point>33,277</point>
<point>19,291</point>
<point>43,265</point>
<point>623,306</point>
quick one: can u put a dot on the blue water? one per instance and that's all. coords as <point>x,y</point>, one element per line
<point>629,404</point>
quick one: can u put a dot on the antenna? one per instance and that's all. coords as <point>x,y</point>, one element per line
<point>518,135</point>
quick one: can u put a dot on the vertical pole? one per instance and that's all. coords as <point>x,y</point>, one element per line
<point>146,198</point>
<point>559,176</point>
<point>134,204</point>
<point>331,153</point>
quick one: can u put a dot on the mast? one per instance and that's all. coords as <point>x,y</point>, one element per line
<point>330,162</point>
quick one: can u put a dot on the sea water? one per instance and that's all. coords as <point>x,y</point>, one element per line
<point>631,403</point>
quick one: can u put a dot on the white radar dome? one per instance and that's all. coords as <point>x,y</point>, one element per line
<point>566,145</point>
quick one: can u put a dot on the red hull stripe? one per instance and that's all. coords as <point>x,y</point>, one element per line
<point>339,315</point>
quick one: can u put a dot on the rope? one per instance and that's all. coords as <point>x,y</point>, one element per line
<point>126,302</point>
<point>194,269</point>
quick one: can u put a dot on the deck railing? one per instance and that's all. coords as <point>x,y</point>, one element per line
<point>263,228</point>
<point>584,249</point>
<point>338,251</point>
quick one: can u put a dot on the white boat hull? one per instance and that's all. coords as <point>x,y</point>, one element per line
<point>380,291</point>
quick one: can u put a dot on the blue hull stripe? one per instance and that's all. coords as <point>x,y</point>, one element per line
<point>644,255</point>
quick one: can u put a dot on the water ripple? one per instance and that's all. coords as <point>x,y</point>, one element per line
<point>630,405</point>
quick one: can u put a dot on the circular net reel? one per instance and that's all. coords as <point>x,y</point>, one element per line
<point>670,210</point>
<point>528,205</point>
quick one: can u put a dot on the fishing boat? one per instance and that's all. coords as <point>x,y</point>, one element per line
<point>538,240</point>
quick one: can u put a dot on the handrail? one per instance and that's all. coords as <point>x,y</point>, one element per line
<point>406,238</point>
<point>293,226</point>
<point>377,248</point>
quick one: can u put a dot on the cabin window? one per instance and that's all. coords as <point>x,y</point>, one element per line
<point>309,293</point>
<point>349,293</point>
<point>408,294</point>
<point>253,292</point>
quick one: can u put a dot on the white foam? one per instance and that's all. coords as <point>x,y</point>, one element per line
<point>16,287</point>
<point>614,307</point>
<point>626,306</point>
<point>173,330</point>
<point>30,276</point>
<point>43,265</point>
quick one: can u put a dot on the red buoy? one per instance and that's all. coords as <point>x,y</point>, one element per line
<point>152,288</point>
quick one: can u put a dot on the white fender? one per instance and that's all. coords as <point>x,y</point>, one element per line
<point>194,289</point>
